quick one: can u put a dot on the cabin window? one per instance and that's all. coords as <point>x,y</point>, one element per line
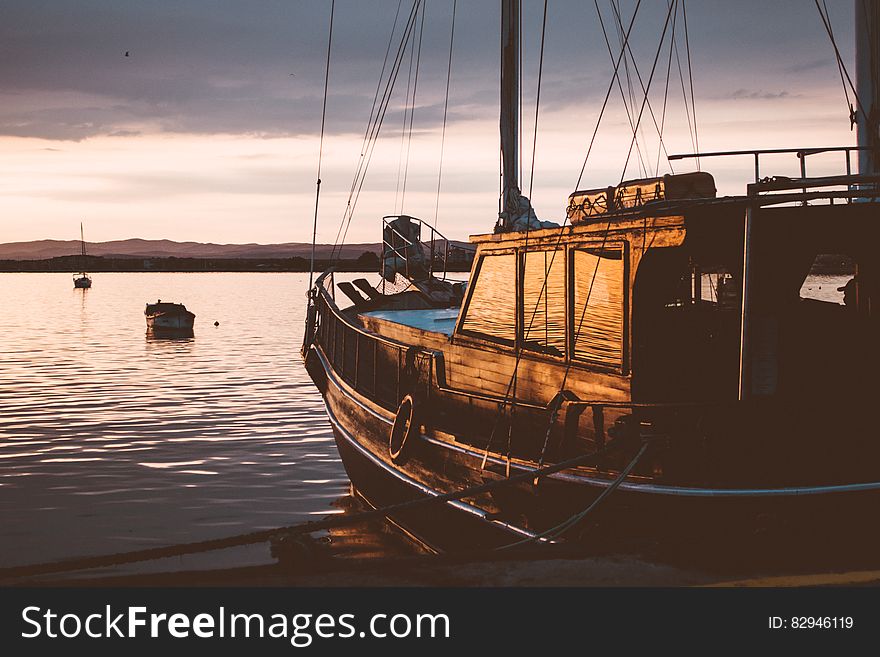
<point>828,278</point>
<point>718,287</point>
<point>544,302</point>
<point>685,327</point>
<point>491,311</point>
<point>598,311</point>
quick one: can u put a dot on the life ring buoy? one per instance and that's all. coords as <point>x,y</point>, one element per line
<point>404,426</point>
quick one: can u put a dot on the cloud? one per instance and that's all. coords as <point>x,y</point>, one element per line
<point>225,68</point>
<point>753,94</point>
<point>811,65</point>
<point>208,123</point>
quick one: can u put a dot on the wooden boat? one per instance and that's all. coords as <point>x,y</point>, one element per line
<point>82,281</point>
<point>169,318</point>
<point>659,339</point>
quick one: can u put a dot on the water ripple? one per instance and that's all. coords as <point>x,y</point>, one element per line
<point>114,441</point>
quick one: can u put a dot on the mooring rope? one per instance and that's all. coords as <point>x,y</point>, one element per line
<point>561,528</point>
<point>262,536</point>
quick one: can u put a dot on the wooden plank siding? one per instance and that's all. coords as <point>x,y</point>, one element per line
<point>466,378</point>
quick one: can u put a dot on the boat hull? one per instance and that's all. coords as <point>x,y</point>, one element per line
<point>82,283</point>
<point>675,522</point>
<point>171,322</point>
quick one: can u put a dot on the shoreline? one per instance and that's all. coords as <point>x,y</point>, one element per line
<point>463,571</point>
<point>99,265</point>
<point>173,264</point>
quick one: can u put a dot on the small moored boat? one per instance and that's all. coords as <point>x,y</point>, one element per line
<point>168,317</point>
<point>82,282</point>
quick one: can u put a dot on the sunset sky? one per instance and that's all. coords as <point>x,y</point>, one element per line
<point>208,130</point>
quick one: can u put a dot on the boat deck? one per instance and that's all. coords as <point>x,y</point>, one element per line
<point>434,320</point>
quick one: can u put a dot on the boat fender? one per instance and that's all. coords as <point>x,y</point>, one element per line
<point>405,424</point>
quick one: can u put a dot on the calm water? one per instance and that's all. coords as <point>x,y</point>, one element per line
<point>113,441</point>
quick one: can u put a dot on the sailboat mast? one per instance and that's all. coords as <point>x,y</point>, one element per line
<point>82,241</point>
<point>867,21</point>
<point>510,42</point>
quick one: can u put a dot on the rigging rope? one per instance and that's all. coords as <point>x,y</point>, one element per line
<point>412,110</point>
<point>631,56</point>
<point>666,98</point>
<point>826,21</point>
<point>615,6</point>
<point>406,108</point>
<point>538,101</point>
<point>849,107</point>
<point>647,89</point>
<point>374,109</point>
<point>377,126</point>
<point>445,110</point>
<point>373,130</point>
<point>321,145</point>
<point>684,96</point>
<point>607,96</point>
<point>687,45</point>
<point>616,77</point>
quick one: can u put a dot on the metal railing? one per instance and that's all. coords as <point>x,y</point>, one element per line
<point>376,367</point>
<point>802,154</point>
<point>421,258</point>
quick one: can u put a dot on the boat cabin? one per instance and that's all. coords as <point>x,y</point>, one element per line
<point>654,294</point>
<point>685,347</point>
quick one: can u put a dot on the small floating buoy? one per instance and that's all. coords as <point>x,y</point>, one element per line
<point>216,323</point>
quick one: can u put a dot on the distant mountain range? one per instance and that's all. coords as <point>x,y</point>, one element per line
<point>139,248</point>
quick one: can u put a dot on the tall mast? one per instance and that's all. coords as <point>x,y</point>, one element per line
<point>510,37</point>
<point>867,21</point>
<point>82,240</point>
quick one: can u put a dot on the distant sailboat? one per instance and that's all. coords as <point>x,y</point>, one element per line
<point>83,281</point>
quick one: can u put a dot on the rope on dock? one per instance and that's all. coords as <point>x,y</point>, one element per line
<point>251,538</point>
